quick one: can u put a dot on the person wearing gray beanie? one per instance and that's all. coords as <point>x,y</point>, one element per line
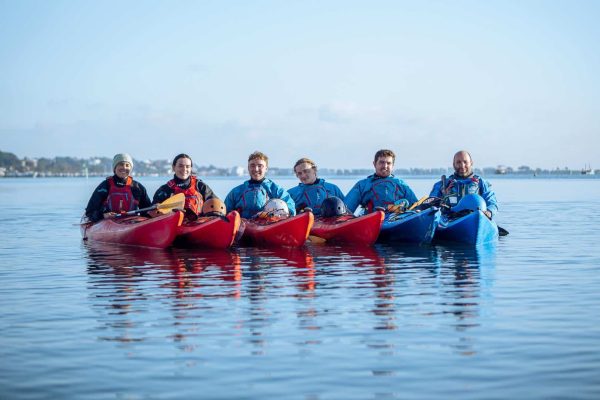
<point>118,193</point>
<point>121,157</point>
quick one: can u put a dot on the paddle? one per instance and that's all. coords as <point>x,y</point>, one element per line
<point>502,231</point>
<point>418,203</point>
<point>173,202</point>
<point>316,239</point>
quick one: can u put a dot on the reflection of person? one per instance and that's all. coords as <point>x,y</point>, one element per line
<point>311,191</point>
<point>382,189</point>
<point>462,182</point>
<point>250,197</point>
<point>118,193</point>
<point>196,192</point>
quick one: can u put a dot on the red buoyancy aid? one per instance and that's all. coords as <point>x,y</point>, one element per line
<point>120,198</point>
<point>193,198</point>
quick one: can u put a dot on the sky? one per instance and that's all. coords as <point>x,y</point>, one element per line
<point>514,82</point>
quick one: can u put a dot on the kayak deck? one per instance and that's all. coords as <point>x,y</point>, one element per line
<point>135,231</point>
<point>213,231</point>
<point>348,229</point>
<point>474,228</point>
<point>411,227</point>
<point>290,232</point>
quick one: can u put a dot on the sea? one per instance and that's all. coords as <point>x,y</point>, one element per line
<point>517,319</point>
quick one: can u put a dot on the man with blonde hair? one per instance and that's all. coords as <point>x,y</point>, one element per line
<point>250,197</point>
<point>311,191</point>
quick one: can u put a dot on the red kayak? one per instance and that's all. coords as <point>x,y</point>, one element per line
<point>135,231</point>
<point>214,231</point>
<point>291,232</point>
<point>348,229</point>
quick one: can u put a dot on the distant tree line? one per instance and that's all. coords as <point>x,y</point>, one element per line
<point>11,165</point>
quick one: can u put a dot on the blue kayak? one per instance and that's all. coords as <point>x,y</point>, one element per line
<point>410,226</point>
<point>473,228</point>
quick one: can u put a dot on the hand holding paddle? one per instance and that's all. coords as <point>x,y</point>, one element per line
<point>174,202</point>
<point>418,203</point>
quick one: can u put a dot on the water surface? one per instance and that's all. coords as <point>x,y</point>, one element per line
<point>88,321</point>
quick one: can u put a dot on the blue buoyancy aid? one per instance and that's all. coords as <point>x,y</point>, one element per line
<point>454,188</point>
<point>312,195</point>
<point>250,197</point>
<point>375,191</point>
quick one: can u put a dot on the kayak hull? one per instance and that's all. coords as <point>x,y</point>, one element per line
<point>212,232</point>
<point>159,232</point>
<point>348,229</point>
<point>474,229</point>
<point>288,232</point>
<point>410,227</point>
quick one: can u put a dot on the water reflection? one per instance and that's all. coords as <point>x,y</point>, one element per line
<point>187,294</point>
<point>465,274</point>
<point>141,282</point>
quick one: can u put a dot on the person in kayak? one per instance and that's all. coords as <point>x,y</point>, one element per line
<point>118,193</point>
<point>382,189</point>
<point>462,182</point>
<point>311,191</point>
<point>250,197</point>
<point>184,181</point>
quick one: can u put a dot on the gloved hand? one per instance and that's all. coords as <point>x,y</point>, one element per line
<point>262,215</point>
<point>396,208</point>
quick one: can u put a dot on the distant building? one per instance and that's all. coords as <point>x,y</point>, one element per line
<point>501,169</point>
<point>587,170</point>
<point>238,171</point>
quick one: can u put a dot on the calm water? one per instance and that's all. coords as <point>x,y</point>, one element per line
<point>520,319</point>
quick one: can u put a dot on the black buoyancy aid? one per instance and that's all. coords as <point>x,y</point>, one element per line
<point>193,198</point>
<point>120,197</point>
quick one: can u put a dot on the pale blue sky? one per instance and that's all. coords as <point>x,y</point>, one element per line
<point>514,82</point>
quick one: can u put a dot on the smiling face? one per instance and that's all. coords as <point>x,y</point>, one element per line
<point>306,172</point>
<point>183,168</point>
<point>123,169</point>
<point>384,166</point>
<point>463,165</point>
<point>257,169</point>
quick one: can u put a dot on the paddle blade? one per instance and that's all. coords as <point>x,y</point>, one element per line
<point>418,203</point>
<point>316,239</point>
<point>177,201</point>
<point>502,231</point>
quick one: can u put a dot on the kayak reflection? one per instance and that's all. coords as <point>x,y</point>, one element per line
<point>126,284</point>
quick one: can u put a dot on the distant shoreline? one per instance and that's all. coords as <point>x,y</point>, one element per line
<point>13,167</point>
<point>327,176</point>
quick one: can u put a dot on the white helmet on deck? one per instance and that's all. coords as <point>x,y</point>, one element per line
<point>277,208</point>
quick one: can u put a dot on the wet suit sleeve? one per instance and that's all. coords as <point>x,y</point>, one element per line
<point>436,191</point>
<point>354,197</point>
<point>409,195</point>
<point>296,194</point>
<point>205,191</point>
<point>95,207</point>
<point>489,196</point>
<point>338,193</point>
<point>230,200</point>
<point>161,194</point>
<point>141,195</point>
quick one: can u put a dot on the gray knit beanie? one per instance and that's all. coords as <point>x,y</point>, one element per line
<point>120,158</point>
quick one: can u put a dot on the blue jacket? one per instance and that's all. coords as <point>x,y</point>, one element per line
<point>375,191</point>
<point>250,197</point>
<point>313,195</point>
<point>451,190</point>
